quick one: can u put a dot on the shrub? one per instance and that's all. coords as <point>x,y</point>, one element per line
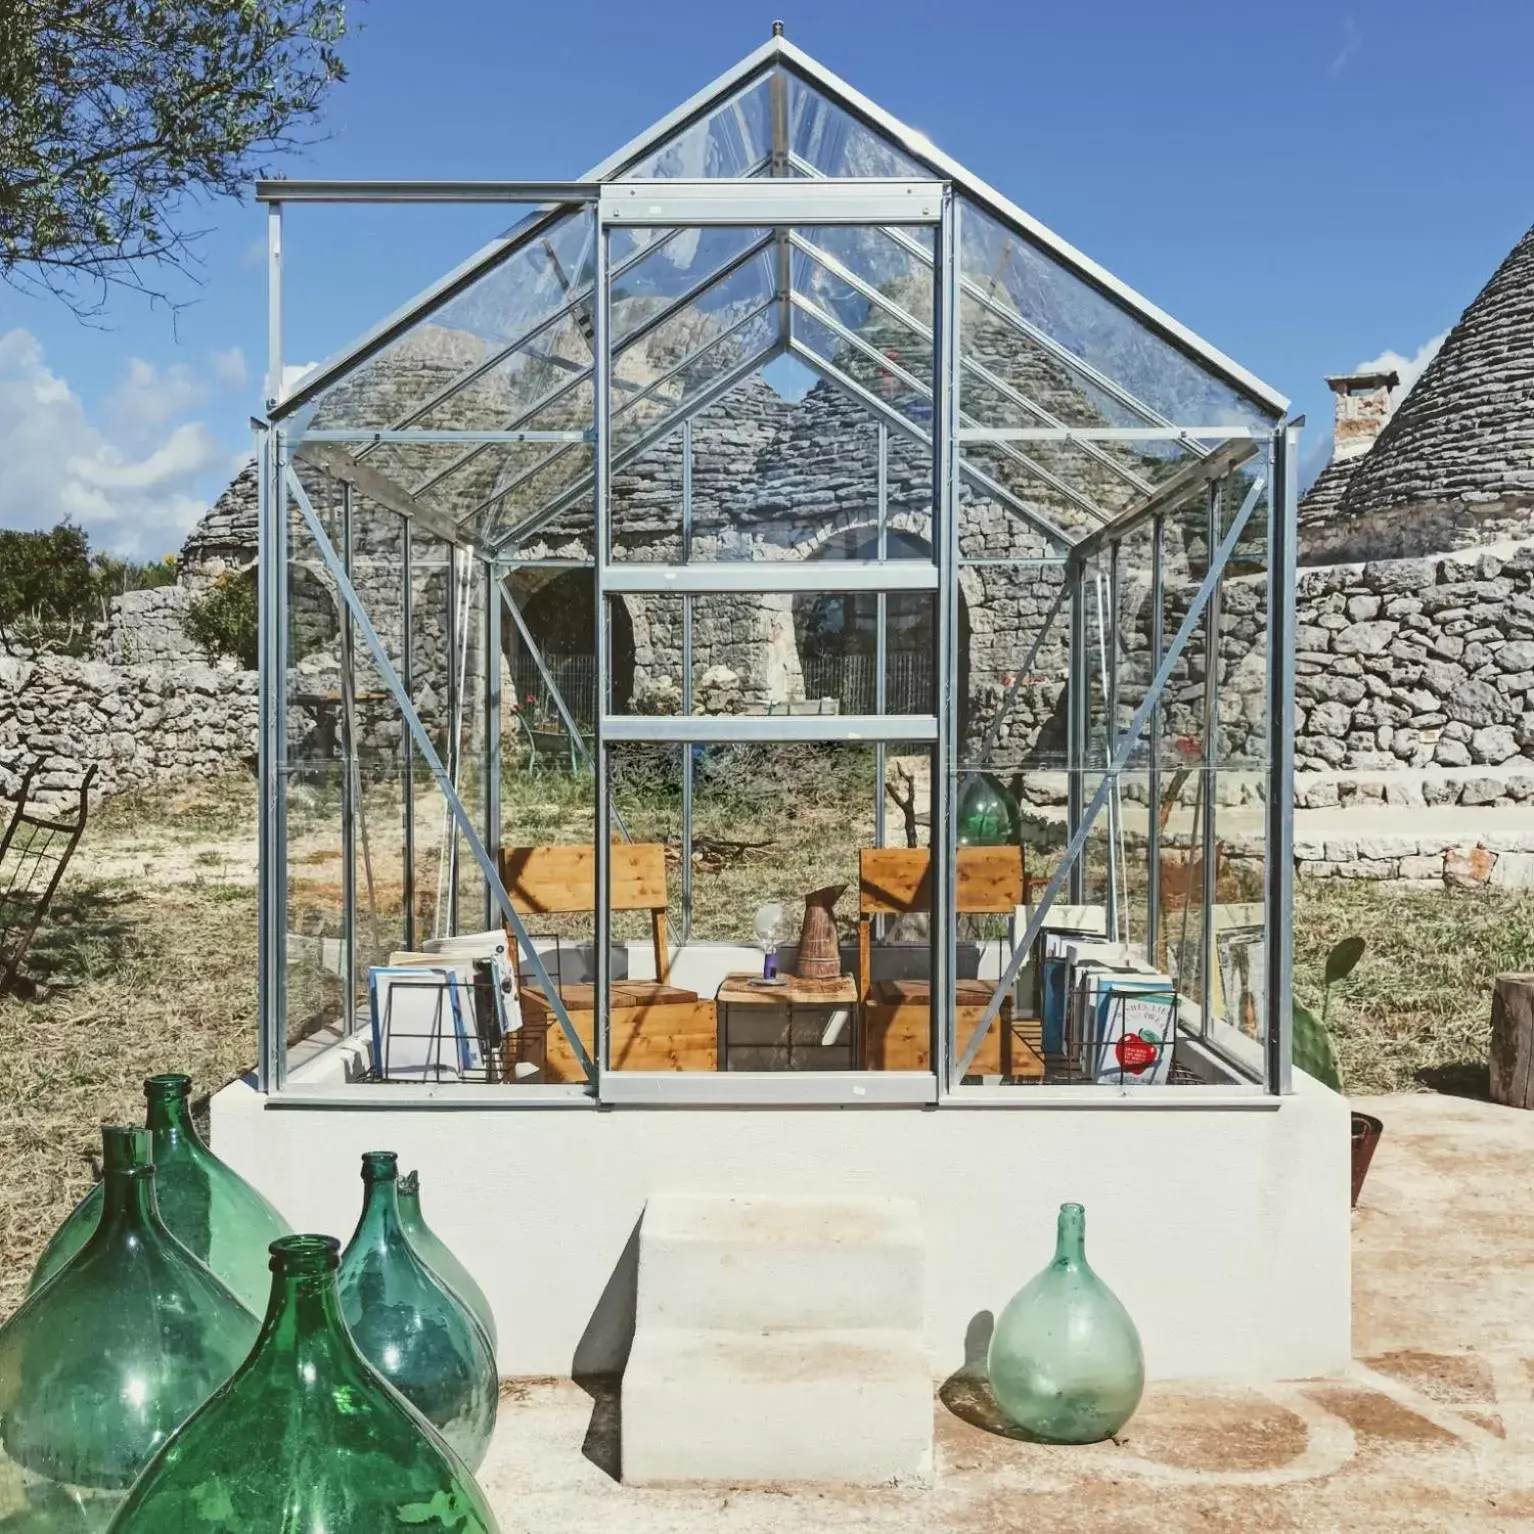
<point>225,621</point>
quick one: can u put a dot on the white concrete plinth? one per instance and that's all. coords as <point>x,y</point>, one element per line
<point>778,1339</point>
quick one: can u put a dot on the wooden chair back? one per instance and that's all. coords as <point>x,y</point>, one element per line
<point>895,880</point>
<point>542,881</point>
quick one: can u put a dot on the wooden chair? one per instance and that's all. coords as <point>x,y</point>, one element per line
<point>656,1026</point>
<point>896,1015</point>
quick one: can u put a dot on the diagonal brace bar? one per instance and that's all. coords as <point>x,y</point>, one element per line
<point>444,782</point>
<point>1126,745</point>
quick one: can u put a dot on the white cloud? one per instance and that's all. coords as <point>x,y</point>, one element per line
<point>293,372</point>
<point>1352,42</point>
<point>134,486</point>
<point>1408,369</point>
<point>229,367</point>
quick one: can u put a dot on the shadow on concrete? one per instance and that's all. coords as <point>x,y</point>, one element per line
<point>602,1353</point>
<point>967,1392</point>
<point>1467,1078</point>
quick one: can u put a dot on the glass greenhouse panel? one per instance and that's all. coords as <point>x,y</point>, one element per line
<point>1150,376</point>
<point>830,141</point>
<point>489,318</point>
<point>731,140</point>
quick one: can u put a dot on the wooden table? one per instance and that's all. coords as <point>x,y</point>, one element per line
<point>746,993</point>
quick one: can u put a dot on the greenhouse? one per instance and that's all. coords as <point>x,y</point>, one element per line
<point>779,631</point>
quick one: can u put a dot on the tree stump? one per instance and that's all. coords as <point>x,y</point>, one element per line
<point>1512,1041</point>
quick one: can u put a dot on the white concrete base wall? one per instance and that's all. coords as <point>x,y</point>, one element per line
<point>1222,1225</point>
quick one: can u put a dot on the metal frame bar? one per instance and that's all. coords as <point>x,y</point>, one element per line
<point>407,749</point>
<point>271,1005</point>
<point>1209,775</point>
<point>1283,557</point>
<point>338,464</point>
<point>454,745</point>
<point>943,926</point>
<point>350,783</point>
<point>417,731</point>
<point>881,640</point>
<point>1153,788</point>
<point>1127,743</point>
<point>493,584</point>
<point>280,190</point>
<point>273,306</point>
<point>380,437</point>
<point>756,202</point>
<point>601,540</point>
<point>1109,627</point>
<point>765,577</point>
<point>788,729</point>
<point>1077,716</point>
<point>687,698</point>
<point>1185,436</point>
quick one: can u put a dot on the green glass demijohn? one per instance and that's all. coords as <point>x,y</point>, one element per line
<point>410,1325</point>
<point>209,1208</point>
<point>1065,1361</point>
<point>987,814</point>
<point>439,1258</point>
<point>306,1438</point>
<point>103,1363</point>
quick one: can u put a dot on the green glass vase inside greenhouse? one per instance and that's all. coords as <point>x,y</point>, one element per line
<point>987,815</point>
<point>210,1209</point>
<point>103,1363</point>
<point>439,1258</point>
<point>306,1436</point>
<point>1065,1361</point>
<point>411,1326</point>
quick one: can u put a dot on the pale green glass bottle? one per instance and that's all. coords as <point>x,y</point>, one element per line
<point>306,1438</point>
<point>410,1325</point>
<point>102,1364</point>
<point>208,1207</point>
<point>1065,1359</point>
<point>439,1258</point>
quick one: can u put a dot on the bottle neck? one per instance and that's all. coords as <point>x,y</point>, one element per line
<point>1071,1236</point>
<point>380,1220</point>
<point>169,1120</point>
<point>303,1321</point>
<point>128,1204</point>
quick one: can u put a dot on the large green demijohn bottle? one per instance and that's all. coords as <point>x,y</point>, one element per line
<point>410,1325</point>
<point>987,814</point>
<point>103,1363</point>
<point>1065,1360</point>
<point>209,1208</point>
<point>439,1258</point>
<point>306,1438</point>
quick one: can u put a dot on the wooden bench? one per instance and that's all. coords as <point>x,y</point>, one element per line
<point>896,1015</point>
<point>655,1025</point>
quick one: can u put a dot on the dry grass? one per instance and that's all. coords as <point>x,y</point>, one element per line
<point>149,961</point>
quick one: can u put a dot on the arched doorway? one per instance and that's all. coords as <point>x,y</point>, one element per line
<point>561,616</point>
<point>837,636</point>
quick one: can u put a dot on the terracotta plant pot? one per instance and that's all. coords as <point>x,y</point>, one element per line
<point>1366,1135</point>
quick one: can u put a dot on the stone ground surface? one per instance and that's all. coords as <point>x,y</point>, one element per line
<point>1433,1428</point>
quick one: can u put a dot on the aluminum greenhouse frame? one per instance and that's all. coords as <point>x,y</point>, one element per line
<point>1071,519</point>
<point>1233,465</point>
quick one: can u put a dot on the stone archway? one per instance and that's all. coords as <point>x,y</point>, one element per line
<point>836,634</point>
<point>560,612</point>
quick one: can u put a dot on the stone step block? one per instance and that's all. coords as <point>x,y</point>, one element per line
<point>789,1263</point>
<point>853,1405</point>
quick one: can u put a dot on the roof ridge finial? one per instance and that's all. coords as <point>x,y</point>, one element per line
<point>777,29</point>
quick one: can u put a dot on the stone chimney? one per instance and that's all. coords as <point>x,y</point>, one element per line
<point>1363,406</point>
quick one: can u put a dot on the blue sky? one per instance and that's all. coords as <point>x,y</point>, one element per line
<point>1308,188</point>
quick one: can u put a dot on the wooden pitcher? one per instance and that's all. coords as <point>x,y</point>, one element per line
<point>820,956</point>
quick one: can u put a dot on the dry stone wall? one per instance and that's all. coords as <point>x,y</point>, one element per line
<point>137,724</point>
